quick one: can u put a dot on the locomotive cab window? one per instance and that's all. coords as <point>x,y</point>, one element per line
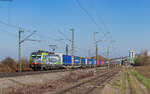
<point>36,56</point>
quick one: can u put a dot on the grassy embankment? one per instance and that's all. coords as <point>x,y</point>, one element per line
<point>142,79</point>
<point>133,84</point>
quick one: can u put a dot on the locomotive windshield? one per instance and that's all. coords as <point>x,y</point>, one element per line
<point>36,58</point>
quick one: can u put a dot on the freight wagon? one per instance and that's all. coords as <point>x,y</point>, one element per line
<point>44,60</point>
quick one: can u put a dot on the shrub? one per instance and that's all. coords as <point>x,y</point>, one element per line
<point>8,65</point>
<point>142,59</point>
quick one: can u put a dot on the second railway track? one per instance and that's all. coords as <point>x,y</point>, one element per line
<point>86,87</point>
<point>15,74</point>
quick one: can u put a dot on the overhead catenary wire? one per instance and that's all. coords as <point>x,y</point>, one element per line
<point>93,20</point>
<point>10,25</point>
<point>22,28</point>
<point>90,16</point>
<point>9,33</point>
<point>6,0</point>
<point>17,27</point>
<point>66,37</point>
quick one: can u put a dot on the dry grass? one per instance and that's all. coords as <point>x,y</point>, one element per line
<point>49,86</point>
<point>75,76</point>
<point>25,65</point>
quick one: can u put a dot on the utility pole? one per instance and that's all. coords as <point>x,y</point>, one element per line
<point>95,45</point>
<point>108,53</point>
<point>95,42</point>
<point>95,49</point>
<point>19,50</point>
<point>66,49</point>
<point>108,57</point>
<point>72,50</point>
<point>89,53</point>
<point>96,55</point>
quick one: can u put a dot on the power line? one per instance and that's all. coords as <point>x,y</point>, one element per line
<point>22,28</point>
<point>10,25</point>
<point>90,16</point>
<point>66,37</point>
<point>6,0</point>
<point>12,34</point>
<point>15,26</point>
<point>93,20</point>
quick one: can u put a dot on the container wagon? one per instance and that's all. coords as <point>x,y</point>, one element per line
<point>44,60</point>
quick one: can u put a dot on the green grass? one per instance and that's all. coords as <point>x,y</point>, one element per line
<point>142,79</point>
<point>134,87</point>
<point>120,83</point>
<point>123,82</point>
<point>116,84</point>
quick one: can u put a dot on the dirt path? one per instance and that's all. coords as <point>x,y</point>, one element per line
<point>127,90</point>
<point>143,88</point>
<point>125,83</point>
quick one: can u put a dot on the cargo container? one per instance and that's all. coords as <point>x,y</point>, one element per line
<point>83,62</point>
<point>93,62</point>
<point>102,62</point>
<point>48,60</point>
<point>89,61</point>
<point>67,60</point>
<point>76,61</point>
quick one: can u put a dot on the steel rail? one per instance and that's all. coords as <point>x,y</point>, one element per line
<point>104,76</point>
<point>15,74</point>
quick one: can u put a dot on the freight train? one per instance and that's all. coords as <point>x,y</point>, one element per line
<point>44,60</point>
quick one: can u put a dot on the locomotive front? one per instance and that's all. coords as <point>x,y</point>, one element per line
<point>36,60</point>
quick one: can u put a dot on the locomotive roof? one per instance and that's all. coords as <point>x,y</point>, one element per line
<point>41,51</point>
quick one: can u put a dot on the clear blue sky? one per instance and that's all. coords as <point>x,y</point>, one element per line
<point>127,20</point>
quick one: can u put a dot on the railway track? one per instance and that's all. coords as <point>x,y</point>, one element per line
<point>15,74</point>
<point>86,87</point>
